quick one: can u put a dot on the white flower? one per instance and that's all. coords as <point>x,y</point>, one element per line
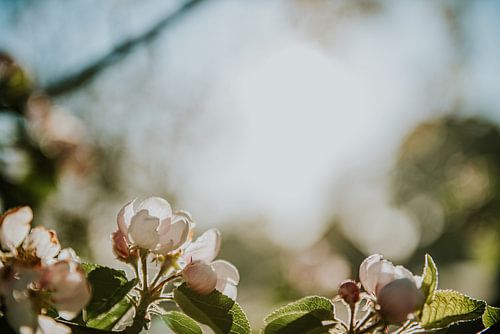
<point>395,287</point>
<point>202,274</point>
<point>68,287</point>
<point>42,243</point>
<point>14,227</point>
<point>153,226</point>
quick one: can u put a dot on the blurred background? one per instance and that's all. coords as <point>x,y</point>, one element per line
<point>311,132</point>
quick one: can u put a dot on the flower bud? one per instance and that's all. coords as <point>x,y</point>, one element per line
<point>200,277</point>
<point>68,287</point>
<point>120,246</point>
<point>349,292</point>
<point>398,299</point>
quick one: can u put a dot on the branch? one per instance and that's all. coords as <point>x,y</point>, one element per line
<point>85,76</point>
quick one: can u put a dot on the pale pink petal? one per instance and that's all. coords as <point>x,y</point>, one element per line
<point>68,254</point>
<point>125,216</point>
<point>47,325</point>
<point>384,273</point>
<point>200,277</point>
<point>174,238</point>
<point>369,281</point>
<point>227,288</point>
<point>227,271</point>
<point>14,227</point>
<point>205,248</point>
<point>183,215</point>
<point>69,289</point>
<point>402,272</point>
<point>43,243</point>
<point>157,207</point>
<point>142,231</point>
<point>228,278</point>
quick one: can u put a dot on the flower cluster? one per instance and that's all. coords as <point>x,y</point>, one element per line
<point>392,295</point>
<point>37,276</point>
<point>151,237</point>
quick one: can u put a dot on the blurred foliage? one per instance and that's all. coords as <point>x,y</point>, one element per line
<point>27,175</point>
<point>448,178</point>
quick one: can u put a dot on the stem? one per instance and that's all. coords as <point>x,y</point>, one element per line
<point>352,309</point>
<point>140,314</point>
<point>165,281</point>
<point>165,266</point>
<point>144,268</point>
<point>367,317</point>
<point>371,327</point>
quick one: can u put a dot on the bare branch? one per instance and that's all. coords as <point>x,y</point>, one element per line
<point>86,75</point>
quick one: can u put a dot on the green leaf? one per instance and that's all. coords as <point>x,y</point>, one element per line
<point>449,307</point>
<point>429,279</point>
<point>303,316</point>
<point>491,316</point>
<point>109,286</point>
<point>88,267</point>
<point>180,323</point>
<point>108,320</point>
<point>216,310</point>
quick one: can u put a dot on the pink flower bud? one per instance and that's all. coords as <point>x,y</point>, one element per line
<point>200,277</point>
<point>349,292</point>
<point>120,246</point>
<point>68,286</point>
<point>398,299</point>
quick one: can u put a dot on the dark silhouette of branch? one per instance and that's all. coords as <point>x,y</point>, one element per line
<point>86,75</point>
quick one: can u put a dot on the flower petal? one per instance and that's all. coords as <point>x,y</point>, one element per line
<point>227,271</point>
<point>125,217</point>
<point>228,278</point>
<point>14,227</point>
<point>174,238</point>
<point>68,254</point>
<point>70,291</point>
<point>369,281</point>
<point>205,248</point>
<point>43,243</point>
<point>200,277</point>
<point>47,325</point>
<point>156,207</point>
<point>142,231</point>
<point>227,288</point>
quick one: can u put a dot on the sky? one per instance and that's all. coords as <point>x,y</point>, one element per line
<point>287,112</point>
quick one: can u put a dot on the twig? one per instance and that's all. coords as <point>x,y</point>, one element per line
<point>76,80</point>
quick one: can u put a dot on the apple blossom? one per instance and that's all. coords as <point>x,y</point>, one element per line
<point>152,226</point>
<point>41,244</point>
<point>395,288</point>
<point>202,274</point>
<point>35,273</point>
<point>68,287</point>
